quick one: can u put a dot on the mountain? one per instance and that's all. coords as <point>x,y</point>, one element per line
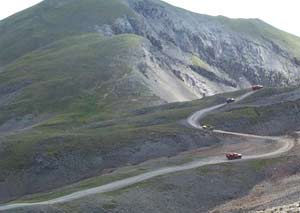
<point>77,78</point>
<point>181,56</point>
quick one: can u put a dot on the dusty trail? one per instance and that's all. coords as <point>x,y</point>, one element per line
<point>285,145</point>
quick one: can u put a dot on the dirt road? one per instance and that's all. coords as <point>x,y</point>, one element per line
<point>284,145</point>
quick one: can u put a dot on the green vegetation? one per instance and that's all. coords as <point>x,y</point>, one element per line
<point>145,122</point>
<point>239,172</point>
<point>109,206</point>
<point>251,114</point>
<point>76,81</point>
<point>65,77</point>
<point>285,114</point>
<point>269,92</point>
<point>254,115</point>
<point>50,21</point>
<point>141,185</point>
<point>85,184</point>
<point>261,164</point>
<point>65,133</point>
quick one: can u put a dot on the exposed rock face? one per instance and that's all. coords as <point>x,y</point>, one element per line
<point>236,57</point>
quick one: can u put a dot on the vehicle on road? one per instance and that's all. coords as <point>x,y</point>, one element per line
<point>233,156</point>
<point>230,100</point>
<point>207,127</point>
<point>257,87</point>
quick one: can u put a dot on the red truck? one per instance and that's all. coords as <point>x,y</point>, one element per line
<point>257,87</point>
<point>233,156</point>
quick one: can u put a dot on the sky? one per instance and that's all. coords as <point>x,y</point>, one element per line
<point>283,14</point>
<point>9,7</point>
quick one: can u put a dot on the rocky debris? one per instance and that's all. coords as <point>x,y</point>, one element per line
<point>292,208</point>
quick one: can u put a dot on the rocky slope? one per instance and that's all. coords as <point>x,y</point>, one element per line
<point>213,54</point>
<point>292,208</point>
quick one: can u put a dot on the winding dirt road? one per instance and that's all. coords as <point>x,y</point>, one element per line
<point>284,145</point>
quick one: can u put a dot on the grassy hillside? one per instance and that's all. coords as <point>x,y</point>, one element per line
<point>52,20</point>
<point>79,76</point>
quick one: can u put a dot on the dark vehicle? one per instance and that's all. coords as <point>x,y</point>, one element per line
<point>257,87</point>
<point>233,156</point>
<point>230,100</point>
